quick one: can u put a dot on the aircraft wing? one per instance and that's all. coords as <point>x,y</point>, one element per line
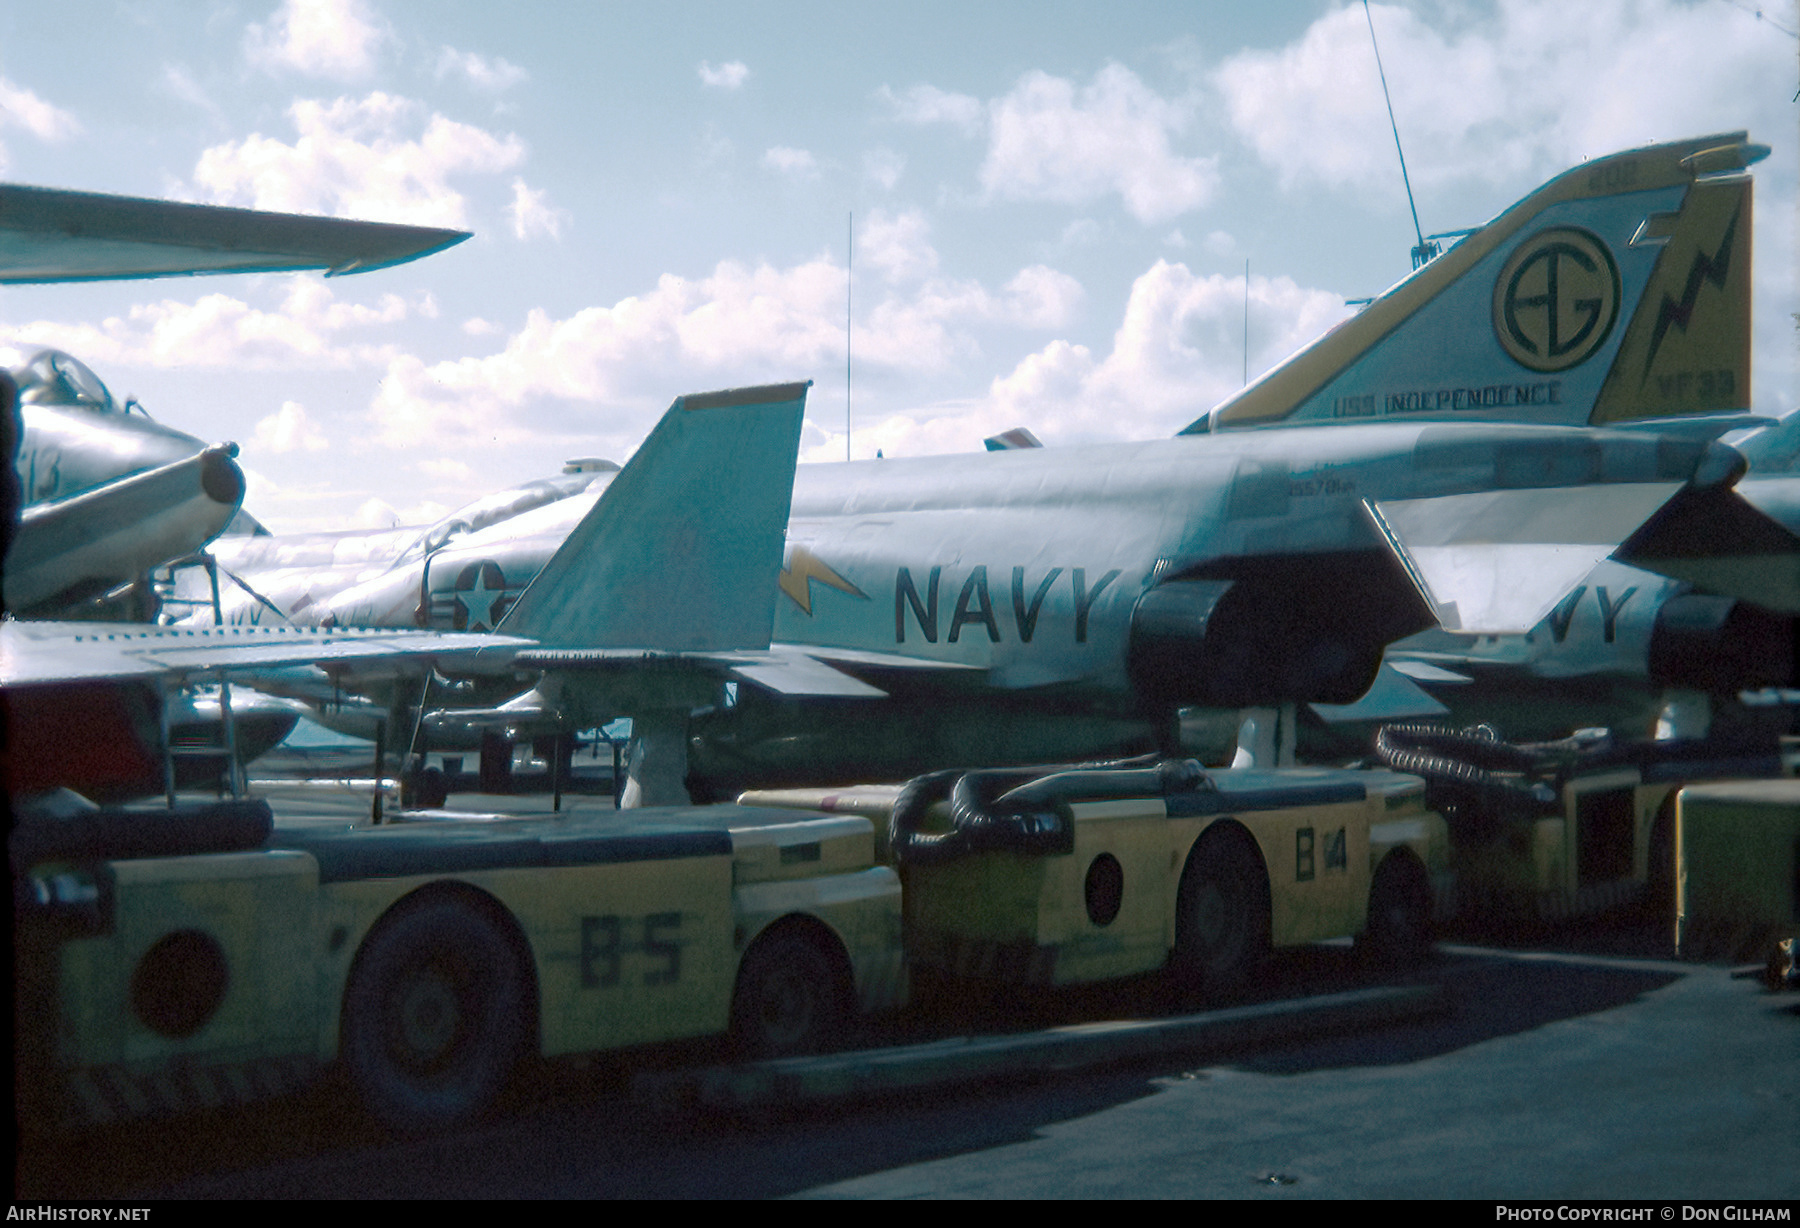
<point>1497,561</point>
<point>1394,696</point>
<point>50,235</point>
<point>785,669</point>
<point>53,653</point>
<point>783,672</point>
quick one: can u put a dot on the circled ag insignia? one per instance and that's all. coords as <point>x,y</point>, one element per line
<point>1556,299</point>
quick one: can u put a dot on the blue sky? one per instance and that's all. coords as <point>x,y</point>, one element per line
<point>1053,204</point>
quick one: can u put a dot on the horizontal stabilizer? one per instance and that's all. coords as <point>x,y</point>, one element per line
<point>682,551</point>
<point>868,659</point>
<point>1392,697</point>
<point>1495,562</point>
<point>48,235</point>
<point>1424,671</point>
<point>796,674</point>
<point>1006,441</point>
<point>1775,448</point>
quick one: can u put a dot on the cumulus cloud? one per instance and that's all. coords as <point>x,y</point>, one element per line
<point>380,157</point>
<point>898,245</point>
<point>180,83</point>
<point>1048,141</point>
<point>1516,93</point>
<point>927,104</point>
<point>884,166</point>
<point>20,108</point>
<point>531,214</point>
<point>1080,232</point>
<point>377,513</point>
<point>1527,90</point>
<point>494,76</point>
<point>742,324</point>
<point>447,469</point>
<point>320,38</point>
<point>1041,297</point>
<point>788,161</point>
<point>727,76</point>
<point>311,328</point>
<point>288,429</point>
<point>1176,354</point>
<point>757,322</point>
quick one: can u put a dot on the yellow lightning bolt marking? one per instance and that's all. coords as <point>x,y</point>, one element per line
<point>803,566</point>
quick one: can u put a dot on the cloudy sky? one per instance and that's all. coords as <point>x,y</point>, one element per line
<point>1052,206</point>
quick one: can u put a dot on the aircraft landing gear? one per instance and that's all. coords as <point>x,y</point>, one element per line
<point>496,763</point>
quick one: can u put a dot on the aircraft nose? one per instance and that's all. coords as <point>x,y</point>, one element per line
<point>220,477</point>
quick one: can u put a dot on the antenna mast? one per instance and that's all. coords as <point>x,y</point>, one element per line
<point>1424,251</point>
<point>849,271</point>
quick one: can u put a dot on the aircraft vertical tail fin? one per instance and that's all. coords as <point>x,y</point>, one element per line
<point>1618,291</point>
<point>682,551</point>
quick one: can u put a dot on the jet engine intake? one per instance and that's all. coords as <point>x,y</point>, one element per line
<point>1303,629</point>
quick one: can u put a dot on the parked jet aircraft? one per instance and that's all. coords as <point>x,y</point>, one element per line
<point>460,573</point>
<point>107,492</point>
<point>1462,453</point>
<point>665,587</point>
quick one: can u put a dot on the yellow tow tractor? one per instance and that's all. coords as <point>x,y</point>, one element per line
<point>205,956</point>
<point>1063,876</point>
<point>1553,830</point>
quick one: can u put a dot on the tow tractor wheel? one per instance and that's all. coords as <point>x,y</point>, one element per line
<point>433,1016</point>
<point>1222,914</point>
<point>790,998</point>
<point>1398,933</point>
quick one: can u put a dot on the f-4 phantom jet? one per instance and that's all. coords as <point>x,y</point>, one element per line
<point>1460,454</point>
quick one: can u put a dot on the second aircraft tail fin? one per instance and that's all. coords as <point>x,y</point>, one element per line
<point>681,552</point>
